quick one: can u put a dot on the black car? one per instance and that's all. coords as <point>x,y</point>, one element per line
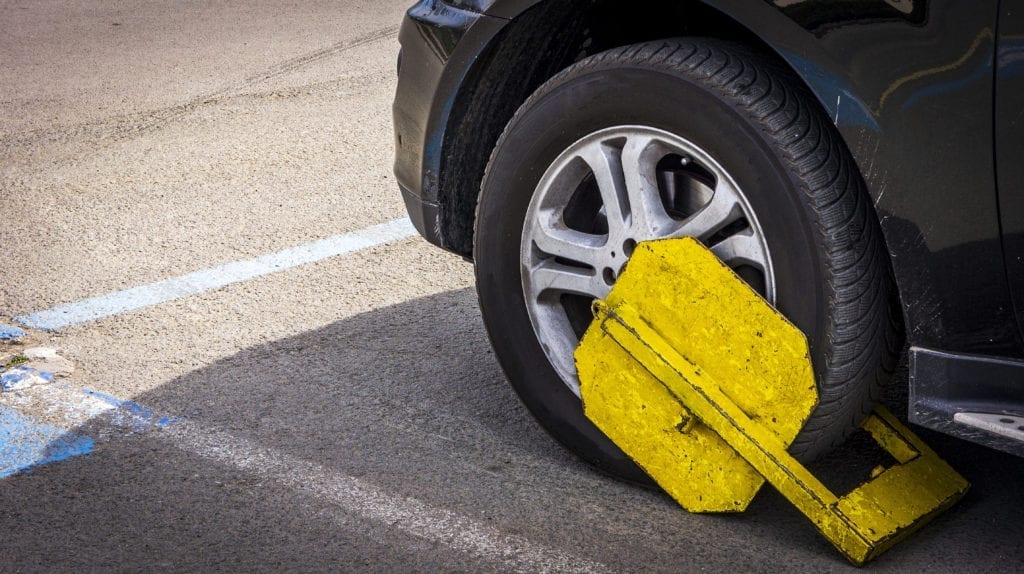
<point>858,162</point>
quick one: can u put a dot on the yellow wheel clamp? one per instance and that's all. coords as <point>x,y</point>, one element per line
<point>702,383</point>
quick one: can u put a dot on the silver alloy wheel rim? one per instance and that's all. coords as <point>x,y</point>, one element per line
<point>620,174</point>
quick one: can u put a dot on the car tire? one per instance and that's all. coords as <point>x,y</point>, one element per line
<point>744,122</point>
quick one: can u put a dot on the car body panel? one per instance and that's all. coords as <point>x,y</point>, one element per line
<point>430,77</point>
<point>910,90</point>
<point>909,84</point>
<point>1010,143</point>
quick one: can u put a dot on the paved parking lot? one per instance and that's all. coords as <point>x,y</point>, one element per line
<point>271,371</point>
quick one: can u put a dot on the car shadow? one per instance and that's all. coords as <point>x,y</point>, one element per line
<point>410,399</point>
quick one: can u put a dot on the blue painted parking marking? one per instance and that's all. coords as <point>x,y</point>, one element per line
<point>131,416</point>
<point>215,277</point>
<point>76,420</point>
<point>52,422</point>
<point>18,377</point>
<point>10,332</point>
<point>26,442</point>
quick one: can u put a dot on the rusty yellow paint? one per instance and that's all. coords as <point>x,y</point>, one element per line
<point>698,305</point>
<point>705,385</point>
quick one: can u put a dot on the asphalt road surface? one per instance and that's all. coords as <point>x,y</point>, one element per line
<point>338,408</point>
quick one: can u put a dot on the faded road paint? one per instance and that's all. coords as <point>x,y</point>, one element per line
<point>215,277</point>
<point>49,424</point>
<point>26,442</point>
<point>351,494</point>
<point>10,332</point>
<point>95,418</point>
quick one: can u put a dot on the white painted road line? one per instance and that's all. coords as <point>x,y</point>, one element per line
<point>352,495</point>
<point>215,277</point>
<point>48,424</point>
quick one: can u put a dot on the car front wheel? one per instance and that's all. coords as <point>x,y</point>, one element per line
<point>676,138</point>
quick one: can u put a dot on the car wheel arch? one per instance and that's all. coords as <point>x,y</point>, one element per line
<point>486,100</point>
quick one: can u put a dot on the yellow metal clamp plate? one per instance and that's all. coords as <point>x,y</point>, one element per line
<point>705,385</point>
<point>759,359</point>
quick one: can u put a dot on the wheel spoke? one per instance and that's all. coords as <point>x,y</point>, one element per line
<point>559,336</point>
<point>723,209</point>
<point>551,276</point>
<point>742,248</point>
<point>560,241</point>
<point>607,168</point>
<point>648,213</point>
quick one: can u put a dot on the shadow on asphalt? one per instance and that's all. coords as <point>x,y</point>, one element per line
<point>410,399</point>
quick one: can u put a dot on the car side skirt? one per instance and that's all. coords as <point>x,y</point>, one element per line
<point>973,397</point>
